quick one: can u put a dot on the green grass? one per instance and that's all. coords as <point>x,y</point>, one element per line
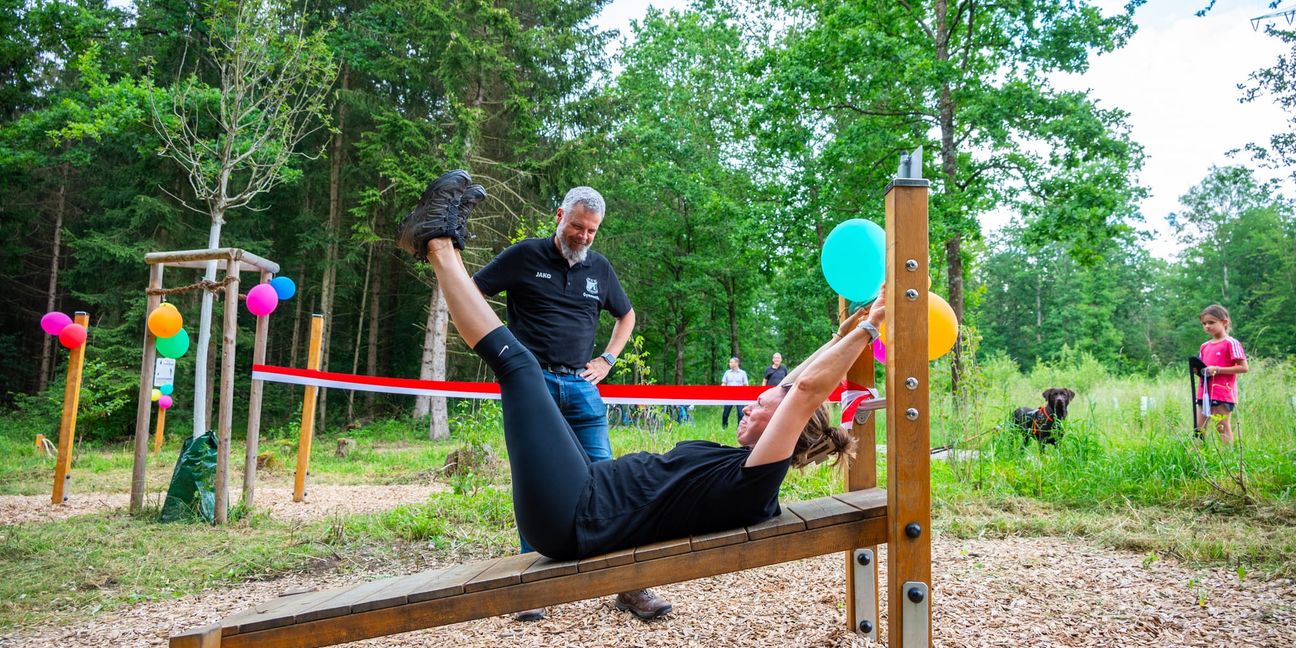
<point>1120,478</point>
<point>54,571</point>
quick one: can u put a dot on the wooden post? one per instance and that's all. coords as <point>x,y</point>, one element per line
<point>254,408</point>
<point>908,411</point>
<point>225,420</point>
<point>144,401</point>
<point>308,410</point>
<point>861,473</point>
<point>157,433</point>
<point>67,423</point>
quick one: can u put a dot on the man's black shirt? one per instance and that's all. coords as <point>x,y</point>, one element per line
<point>552,307</point>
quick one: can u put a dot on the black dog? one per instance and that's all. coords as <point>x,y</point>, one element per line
<point>1041,424</point>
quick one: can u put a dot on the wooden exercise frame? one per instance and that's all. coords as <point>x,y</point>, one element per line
<point>233,262</point>
<point>855,521</point>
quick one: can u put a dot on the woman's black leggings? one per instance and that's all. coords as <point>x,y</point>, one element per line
<point>550,469</point>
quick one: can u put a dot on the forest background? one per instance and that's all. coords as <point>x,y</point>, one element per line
<point>729,139</point>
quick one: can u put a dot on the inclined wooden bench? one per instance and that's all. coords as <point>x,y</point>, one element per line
<point>520,582</point>
<point>854,522</point>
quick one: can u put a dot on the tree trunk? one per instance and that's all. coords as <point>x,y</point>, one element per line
<point>949,168</point>
<point>51,291</point>
<point>360,322</point>
<point>297,321</point>
<point>375,313</point>
<point>201,395</point>
<point>329,285</point>
<point>732,306</point>
<point>681,332</point>
<point>433,366</point>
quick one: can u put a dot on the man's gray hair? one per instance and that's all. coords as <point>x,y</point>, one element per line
<point>587,196</point>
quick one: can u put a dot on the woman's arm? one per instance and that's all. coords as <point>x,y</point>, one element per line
<point>849,324</point>
<point>813,381</point>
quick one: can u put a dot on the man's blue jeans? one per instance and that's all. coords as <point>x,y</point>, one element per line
<point>581,405</point>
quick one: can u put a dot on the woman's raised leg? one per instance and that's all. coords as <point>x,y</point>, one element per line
<point>469,312</point>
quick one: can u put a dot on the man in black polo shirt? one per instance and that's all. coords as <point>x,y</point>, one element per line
<point>557,287</point>
<point>776,372</point>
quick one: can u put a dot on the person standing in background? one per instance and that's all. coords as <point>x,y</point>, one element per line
<point>776,372</point>
<point>733,377</point>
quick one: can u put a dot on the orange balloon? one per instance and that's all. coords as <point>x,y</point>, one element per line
<point>165,321</point>
<point>942,327</point>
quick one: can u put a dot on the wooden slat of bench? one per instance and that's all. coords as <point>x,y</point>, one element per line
<point>662,549</point>
<point>609,559</point>
<point>872,501</point>
<point>501,572</point>
<point>825,511</point>
<point>446,582</point>
<point>341,604</point>
<point>281,612</point>
<point>548,568</point>
<point>396,592</point>
<point>718,539</point>
<point>610,580</point>
<point>785,522</point>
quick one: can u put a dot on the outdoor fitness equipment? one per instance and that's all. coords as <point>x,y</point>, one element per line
<point>854,522</point>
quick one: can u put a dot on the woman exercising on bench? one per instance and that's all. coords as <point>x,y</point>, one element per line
<point>698,487</point>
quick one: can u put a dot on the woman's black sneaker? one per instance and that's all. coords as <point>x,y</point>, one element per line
<point>474,194</point>
<point>436,215</point>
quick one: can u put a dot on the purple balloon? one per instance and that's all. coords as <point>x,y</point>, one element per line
<point>53,322</point>
<point>164,402</point>
<point>262,299</point>
<point>879,351</point>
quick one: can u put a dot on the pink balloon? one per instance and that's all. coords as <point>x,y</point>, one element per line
<point>54,321</point>
<point>164,402</point>
<point>72,336</point>
<point>879,351</point>
<point>262,299</point>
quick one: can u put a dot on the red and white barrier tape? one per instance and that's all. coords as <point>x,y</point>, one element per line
<point>612,394</point>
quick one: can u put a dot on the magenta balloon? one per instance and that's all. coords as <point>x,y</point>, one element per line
<point>262,300</point>
<point>53,322</point>
<point>164,402</point>
<point>879,351</point>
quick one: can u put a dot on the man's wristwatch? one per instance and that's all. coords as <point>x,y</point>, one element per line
<point>609,358</point>
<point>868,326</point>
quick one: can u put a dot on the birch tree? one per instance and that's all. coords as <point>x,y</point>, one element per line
<point>238,139</point>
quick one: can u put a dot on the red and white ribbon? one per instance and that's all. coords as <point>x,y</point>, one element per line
<point>612,394</point>
<point>856,403</point>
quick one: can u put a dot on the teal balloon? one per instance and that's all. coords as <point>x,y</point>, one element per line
<point>174,346</point>
<point>854,259</point>
<point>166,389</point>
<point>283,287</point>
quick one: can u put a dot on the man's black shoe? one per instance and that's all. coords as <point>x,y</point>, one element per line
<point>436,215</point>
<point>474,194</point>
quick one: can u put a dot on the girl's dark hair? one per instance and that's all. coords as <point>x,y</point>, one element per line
<point>1218,312</point>
<point>819,439</point>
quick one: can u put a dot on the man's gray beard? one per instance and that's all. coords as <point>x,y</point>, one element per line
<point>572,256</point>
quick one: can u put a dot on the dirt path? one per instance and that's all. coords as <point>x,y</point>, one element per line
<point>1011,592</point>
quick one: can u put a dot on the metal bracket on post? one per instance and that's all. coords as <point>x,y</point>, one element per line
<point>916,599</point>
<point>865,602</point>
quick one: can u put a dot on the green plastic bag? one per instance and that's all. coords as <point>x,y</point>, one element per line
<point>192,494</point>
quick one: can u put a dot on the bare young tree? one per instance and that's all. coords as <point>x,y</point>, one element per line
<point>237,140</point>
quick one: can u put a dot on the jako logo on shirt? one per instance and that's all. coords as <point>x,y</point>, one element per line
<point>544,275</point>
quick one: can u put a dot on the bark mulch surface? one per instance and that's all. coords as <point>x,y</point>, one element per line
<point>1007,592</point>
